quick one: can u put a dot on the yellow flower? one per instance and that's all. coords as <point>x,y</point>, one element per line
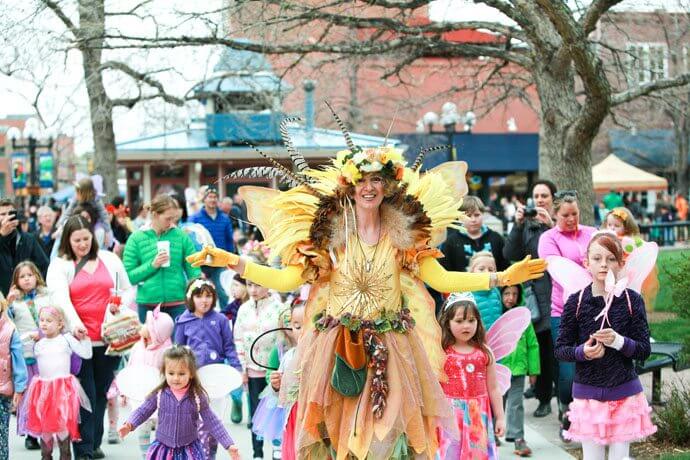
<point>340,157</point>
<point>394,155</point>
<point>350,172</point>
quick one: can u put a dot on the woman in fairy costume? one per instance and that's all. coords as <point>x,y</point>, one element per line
<point>363,233</point>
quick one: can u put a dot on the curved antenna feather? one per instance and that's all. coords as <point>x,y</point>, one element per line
<point>343,129</point>
<point>260,172</point>
<point>422,153</point>
<point>295,156</point>
<point>390,128</point>
<point>287,172</point>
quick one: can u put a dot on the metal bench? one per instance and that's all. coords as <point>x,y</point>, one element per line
<point>664,354</point>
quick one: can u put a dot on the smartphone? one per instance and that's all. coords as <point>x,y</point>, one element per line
<point>12,214</point>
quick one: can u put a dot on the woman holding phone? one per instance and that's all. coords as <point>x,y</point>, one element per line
<point>155,260</point>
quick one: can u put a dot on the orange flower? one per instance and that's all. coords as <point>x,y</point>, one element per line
<point>399,173</point>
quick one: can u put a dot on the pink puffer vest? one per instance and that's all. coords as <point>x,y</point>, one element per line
<point>6,330</point>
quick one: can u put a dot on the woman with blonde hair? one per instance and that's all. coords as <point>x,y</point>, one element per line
<point>155,260</point>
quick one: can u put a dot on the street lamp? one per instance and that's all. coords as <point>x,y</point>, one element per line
<point>32,130</point>
<point>449,119</point>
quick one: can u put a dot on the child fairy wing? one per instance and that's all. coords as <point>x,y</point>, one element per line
<point>138,381</point>
<point>571,276</point>
<point>219,379</point>
<point>640,264</point>
<point>440,191</point>
<point>503,337</point>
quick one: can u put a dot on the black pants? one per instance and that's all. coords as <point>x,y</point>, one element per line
<point>545,380</point>
<point>95,376</point>
<point>256,386</point>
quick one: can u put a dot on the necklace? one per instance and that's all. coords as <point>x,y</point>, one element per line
<point>368,262</point>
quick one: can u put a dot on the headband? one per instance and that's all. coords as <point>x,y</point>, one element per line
<point>456,297</point>
<point>198,284</point>
<point>52,310</point>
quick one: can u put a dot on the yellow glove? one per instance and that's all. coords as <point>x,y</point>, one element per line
<point>213,257</point>
<point>522,271</point>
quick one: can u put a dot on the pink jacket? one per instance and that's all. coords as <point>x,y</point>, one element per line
<point>160,328</point>
<point>571,245</point>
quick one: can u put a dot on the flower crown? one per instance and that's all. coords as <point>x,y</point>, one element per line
<point>353,164</point>
<point>198,284</point>
<point>622,215</point>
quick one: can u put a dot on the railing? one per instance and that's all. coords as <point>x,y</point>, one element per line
<point>666,233</point>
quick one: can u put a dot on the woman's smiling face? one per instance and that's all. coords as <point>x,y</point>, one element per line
<point>369,191</point>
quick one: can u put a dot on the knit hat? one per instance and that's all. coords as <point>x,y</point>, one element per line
<point>239,279</point>
<point>160,326</point>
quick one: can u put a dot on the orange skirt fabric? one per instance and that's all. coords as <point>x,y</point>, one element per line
<point>416,406</point>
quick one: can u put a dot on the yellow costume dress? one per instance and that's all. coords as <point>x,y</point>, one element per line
<point>371,360</point>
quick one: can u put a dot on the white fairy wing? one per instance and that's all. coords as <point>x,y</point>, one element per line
<point>504,334</point>
<point>571,276</point>
<point>640,264</point>
<point>137,381</point>
<point>503,375</point>
<point>219,379</point>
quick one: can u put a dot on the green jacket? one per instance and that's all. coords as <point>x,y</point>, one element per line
<point>525,359</point>
<point>163,284</point>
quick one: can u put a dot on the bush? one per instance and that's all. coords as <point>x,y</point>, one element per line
<point>673,419</point>
<point>679,281</point>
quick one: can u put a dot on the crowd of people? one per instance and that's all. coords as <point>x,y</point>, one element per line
<point>198,303</point>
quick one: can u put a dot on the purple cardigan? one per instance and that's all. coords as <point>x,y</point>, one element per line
<point>210,338</point>
<point>611,377</point>
<point>178,420</point>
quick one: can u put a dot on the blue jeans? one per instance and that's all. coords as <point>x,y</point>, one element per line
<point>565,371</point>
<point>174,311</point>
<point>95,376</point>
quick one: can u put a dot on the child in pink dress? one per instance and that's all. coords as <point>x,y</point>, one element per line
<point>472,386</point>
<point>603,332</point>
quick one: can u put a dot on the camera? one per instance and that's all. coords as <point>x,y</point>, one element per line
<point>530,209</point>
<point>12,214</point>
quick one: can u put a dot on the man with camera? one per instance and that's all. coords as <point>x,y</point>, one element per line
<point>16,246</point>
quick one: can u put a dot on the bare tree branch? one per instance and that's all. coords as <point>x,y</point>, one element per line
<point>53,5</point>
<point>143,78</point>
<point>648,88</point>
<point>596,10</point>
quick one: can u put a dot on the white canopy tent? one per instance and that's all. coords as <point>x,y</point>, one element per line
<point>614,173</point>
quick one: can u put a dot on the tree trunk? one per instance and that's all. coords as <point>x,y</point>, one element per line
<point>564,155</point>
<point>92,24</point>
<point>682,144</point>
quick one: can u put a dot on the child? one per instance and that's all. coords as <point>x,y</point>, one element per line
<point>609,406</point>
<point>54,396</point>
<point>489,301</point>
<point>621,222</point>
<point>181,401</point>
<point>238,289</point>
<point>256,316</point>
<point>28,294</point>
<point>207,332</point>
<point>472,386</point>
<point>85,192</point>
<point>149,351</point>
<point>13,375</point>
<point>523,361</point>
<point>270,416</point>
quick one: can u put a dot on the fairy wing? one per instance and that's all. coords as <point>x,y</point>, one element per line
<point>138,381</point>
<point>503,337</point>
<point>219,379</point>
<point>259,209</point>
<point>640,264</point>
<point>571,276</point>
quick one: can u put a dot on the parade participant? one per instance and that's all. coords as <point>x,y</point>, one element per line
<point>363,233</point>
<point>567,239</point>
<point>254,317</point>
<point>156,336</point>
<point>207,332</point>
<point>271,415</point>
<point>13,375</point>
<point>523,361</point>
<point>81,280</point>
<point>621,222</point>
<point>472,386</point>
<point>530,222</point>
<point>154,259</point>
<point>488,301</point>
<point>27,296</point>
<point>86,194</point>
<point>54,397</point>
<point>603,331</point>
<point>181,401</point>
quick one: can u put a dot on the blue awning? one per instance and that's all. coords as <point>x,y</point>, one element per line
<point>648,148</point>
<point>500,153</point>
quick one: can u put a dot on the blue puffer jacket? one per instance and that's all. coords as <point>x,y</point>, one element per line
<point>220,228</point>
<point>489,305</point>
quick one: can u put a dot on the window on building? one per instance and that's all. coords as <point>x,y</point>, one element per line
<point>646,62</point>
<point>2,183</point>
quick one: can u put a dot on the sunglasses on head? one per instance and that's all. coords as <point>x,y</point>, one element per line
<point>565,193</point>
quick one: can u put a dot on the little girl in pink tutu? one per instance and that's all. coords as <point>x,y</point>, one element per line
<point>603,329</point>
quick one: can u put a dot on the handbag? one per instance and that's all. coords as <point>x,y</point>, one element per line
<point>350,368</point>
<point>531,301</point>
<point>120,331</point>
